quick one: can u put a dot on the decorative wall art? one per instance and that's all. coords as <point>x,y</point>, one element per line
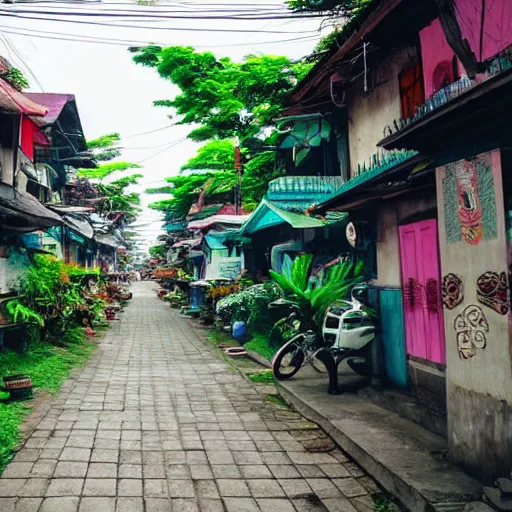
<point>492,291</point>
<point>469,201</point>
<point>453,291</point>
<point>471,328</point>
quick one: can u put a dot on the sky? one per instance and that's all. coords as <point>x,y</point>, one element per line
<point>113,93</point>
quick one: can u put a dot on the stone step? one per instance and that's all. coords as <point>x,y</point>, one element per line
<point>478,506</point>
<point>497,500</point>
<point>505,486</point>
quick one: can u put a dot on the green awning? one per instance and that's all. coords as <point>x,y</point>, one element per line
<point>268,215</point>
<point>303,131</point>
<point>215,241</point>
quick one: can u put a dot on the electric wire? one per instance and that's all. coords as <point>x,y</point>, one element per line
<point>177,29</point>
<point>57,36</point>
<point>171,145</point>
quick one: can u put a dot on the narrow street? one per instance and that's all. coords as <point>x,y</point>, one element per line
<point>157,422</point>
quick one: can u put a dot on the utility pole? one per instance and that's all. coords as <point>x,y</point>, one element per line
<point>239,169</point>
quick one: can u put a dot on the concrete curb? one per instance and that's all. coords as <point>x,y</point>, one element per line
<point>401,487</point>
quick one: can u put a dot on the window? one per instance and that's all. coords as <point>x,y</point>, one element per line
<point>412,93</point>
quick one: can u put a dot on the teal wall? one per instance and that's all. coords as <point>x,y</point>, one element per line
<point>393,336</point>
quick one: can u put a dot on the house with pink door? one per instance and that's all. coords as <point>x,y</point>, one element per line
<point>420,94</point>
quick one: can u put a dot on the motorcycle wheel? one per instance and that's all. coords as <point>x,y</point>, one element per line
<point>289,358</point>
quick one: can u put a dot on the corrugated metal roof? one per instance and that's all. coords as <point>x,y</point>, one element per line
<point>215,240</point>
<point>54,103</point>
<point>235,220</point>
<point>14,101</point>
<point>268,215</point>
<point>400,161</point>
<point>23,211</point>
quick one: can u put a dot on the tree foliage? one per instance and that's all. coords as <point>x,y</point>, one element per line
<point>104,170</point>
<point>222,99</point>
<point>105,147</point>
<point>344,7</point>
<point>166,189</point>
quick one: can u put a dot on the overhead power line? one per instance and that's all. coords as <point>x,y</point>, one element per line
<point>175,29</point>
<point>58,36</point>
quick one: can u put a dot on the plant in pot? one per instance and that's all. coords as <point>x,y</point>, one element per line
<point>313,298</point>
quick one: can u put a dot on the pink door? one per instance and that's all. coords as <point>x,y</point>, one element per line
<point>419,255</point>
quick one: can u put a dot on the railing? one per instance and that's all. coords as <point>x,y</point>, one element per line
<point>495,66</point>
<point>304,185</point>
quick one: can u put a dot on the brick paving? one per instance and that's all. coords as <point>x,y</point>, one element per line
<point>156,422</point>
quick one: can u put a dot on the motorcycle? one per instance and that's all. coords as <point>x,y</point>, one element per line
<point>347,332</point>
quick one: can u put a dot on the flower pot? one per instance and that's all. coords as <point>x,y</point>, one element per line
<point>19,387</point>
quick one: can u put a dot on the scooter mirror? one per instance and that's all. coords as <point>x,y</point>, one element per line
<point>360,293</point>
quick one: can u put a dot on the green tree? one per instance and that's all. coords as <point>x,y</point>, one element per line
<point>223,99</point>
<point>344,7</point>
<point>105,149</point>
<point>115,198</point>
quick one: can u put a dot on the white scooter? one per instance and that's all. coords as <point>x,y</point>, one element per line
<point>347,333</point>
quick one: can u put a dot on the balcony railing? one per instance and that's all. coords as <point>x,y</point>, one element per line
<point>495,66</point>
<point>303,187</point>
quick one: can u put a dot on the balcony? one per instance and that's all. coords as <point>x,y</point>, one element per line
<point>461,112</point>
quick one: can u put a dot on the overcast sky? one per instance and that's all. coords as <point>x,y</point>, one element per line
<point>114,94</point>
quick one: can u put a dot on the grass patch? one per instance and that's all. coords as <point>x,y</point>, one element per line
<point>277,400</point>
<point>264,376</point>
<point>384,503</point>
<point>215,336</point>
<point>48,366</point>
<point>259,343</point>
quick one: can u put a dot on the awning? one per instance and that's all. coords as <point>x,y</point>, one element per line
<point>303,131</point>
<point>400,162</point>
<point>174,226</point>
<point>232,220</point>
<point>193,242</point>
<point>65,209</point>
<point>215,241</point>
<point>20,211</point>
<point>54,103</point>
<point>268,215</point>
<point>80,226</point>
<point>107,240</point>
<point>15,102</point>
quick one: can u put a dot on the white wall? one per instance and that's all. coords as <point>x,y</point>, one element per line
<point>370,113</point>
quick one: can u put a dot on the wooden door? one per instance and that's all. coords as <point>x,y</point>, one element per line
<point>424,326</point>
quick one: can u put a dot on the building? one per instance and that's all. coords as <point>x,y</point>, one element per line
<point>418,95</point>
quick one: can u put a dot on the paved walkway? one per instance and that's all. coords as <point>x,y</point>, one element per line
<point>156,422</point>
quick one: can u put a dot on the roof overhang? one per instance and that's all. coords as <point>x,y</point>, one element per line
<point>268,215</point>
<point>13,101</point>
<point>22,212</point>
<point>383,182</point>
<point>229,220</point>
<point>478,114</point>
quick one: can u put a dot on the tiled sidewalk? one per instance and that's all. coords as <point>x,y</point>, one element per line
<point>157,422</point>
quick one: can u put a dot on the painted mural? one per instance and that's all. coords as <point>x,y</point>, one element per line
<point>492,291</point>
<point>452,291</point>
<point>471,327</point>
<point>469,201</point>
